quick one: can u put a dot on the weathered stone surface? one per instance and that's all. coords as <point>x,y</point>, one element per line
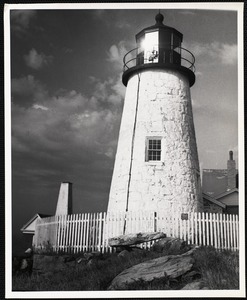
<point>170,244</point>
<point>91,262</point>
<point>88,256</point>
<point>194,285</point>
<point>79,260</point>
<point>29,251</point>
<point>192,274</point>
<point>167,267</point>
<point>135,238</point>
<point>163,111</point>
<point>123,254</point>
<point>91,255</point>
<point>24,264</point>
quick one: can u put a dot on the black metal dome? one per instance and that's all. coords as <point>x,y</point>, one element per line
<point>159,18</point>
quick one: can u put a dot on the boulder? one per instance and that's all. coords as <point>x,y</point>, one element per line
<point>88,255</point>
<point>170,245</point>
<point>80,260</point>
<point>165,267</point>
<point>134,239</point>
<point>192,274</point>
<point>92,263</point>
<point>123,254</point>
<point>24,264</point>
<point>29,251</point>
<point>194,285</point>
<point>92,255</point>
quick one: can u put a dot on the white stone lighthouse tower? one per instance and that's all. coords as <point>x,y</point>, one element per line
<point>156,166</point>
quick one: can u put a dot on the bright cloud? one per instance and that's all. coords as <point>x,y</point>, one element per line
<point>110,91</point>
<point>27,90</point>
<point>229,54</point>
<point>36,61</point>
<point>68,122</point>
<point>37,106</point>
<point>224,53</point>
<point>116,54</point>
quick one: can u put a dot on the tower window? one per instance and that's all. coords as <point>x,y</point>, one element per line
<point>154,150</point>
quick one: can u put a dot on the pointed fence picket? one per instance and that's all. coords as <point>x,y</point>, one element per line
<point>91,231</point>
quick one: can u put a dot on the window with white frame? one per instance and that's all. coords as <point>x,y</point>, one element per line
<point>153,149</point>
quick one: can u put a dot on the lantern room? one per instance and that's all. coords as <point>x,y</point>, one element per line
<point>159,43</point>
<point>159,46</point>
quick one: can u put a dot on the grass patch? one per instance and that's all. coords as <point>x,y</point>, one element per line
<point>219,270</point>
<point>97,276</point>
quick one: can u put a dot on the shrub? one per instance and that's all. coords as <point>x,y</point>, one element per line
<point>219,269</point>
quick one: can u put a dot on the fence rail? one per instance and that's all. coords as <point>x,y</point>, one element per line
<point>90,231</point>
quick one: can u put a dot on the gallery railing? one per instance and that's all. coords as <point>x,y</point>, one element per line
<point>167,57</point>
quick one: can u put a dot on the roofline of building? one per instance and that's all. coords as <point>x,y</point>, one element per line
<point>213,200</point>
<point>32,219</point>
<point>227,193</point>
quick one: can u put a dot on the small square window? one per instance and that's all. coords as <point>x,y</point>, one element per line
<point>154,150</point>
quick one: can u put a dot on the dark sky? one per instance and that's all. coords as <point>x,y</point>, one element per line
<point>67,98</point>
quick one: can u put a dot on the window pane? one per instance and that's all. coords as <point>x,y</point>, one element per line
<point>154,150</point>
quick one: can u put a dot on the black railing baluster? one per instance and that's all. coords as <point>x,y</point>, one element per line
<point>188,63</point>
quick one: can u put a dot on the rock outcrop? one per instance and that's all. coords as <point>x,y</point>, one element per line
<point>195,285</point>
<point>170,245</point>
<point>166,267</point>
<point>134,239</point>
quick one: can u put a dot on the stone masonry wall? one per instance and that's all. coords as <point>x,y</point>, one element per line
<point>164,110</point>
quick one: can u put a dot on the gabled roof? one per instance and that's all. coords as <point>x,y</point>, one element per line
<point>214,181</point>
<point>29,227</point>
<point>213,200</point>
<point>235,190</point>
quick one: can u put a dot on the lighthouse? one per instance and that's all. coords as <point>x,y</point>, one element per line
<point>156,165</point>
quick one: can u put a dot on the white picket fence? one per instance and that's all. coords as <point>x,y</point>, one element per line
<point>91,231</point>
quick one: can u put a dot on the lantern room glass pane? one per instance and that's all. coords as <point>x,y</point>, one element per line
<point>151,47</point>
<point>176,43</point>
<point>165,39</point>
<point>140,44</point>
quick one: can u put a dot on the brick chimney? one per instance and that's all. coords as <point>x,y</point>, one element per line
<point>231,172</point>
